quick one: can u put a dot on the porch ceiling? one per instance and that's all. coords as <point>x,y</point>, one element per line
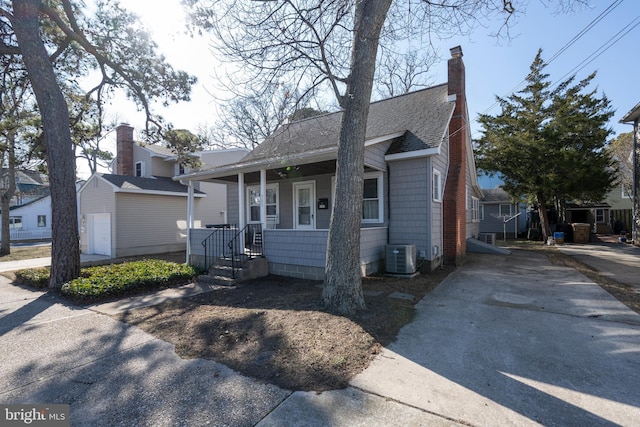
<point>286,172</point>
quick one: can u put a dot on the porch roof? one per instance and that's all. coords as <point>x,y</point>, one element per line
<point>632,115</point>
<point>413,122</point>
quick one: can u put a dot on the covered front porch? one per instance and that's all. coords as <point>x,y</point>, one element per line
<point>293,253</point>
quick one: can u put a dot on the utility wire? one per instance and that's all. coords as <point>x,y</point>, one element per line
<point>603,48</point>
<point>586,29</point>
<point>578,36</point>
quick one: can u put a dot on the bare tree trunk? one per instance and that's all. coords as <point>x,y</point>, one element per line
<point>544,217</point>
<point>342,291</point>
<point>65,250</point>
<point>5,198</point>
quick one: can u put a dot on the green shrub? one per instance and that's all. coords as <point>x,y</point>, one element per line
<point>105,281</point>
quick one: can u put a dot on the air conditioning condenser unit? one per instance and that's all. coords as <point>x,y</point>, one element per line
<point>401,259</point>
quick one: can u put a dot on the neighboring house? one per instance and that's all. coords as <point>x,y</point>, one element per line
<point>597,215</point>
<point>140,209</point>
<point>620,217</point>
<point>30,207</point>
<point>30,186</point>
<point>420,184</point>
<point>31,220</point>
<point>633,118</point>
<point>497,212</point>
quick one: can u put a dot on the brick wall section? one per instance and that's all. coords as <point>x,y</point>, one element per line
<point>454,201</point>
<point>124,146</point>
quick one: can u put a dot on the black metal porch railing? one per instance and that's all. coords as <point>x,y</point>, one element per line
<point>227,243</point>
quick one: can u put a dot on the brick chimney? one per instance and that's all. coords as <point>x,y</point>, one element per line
<point>455,191</point>
<point>124,146</point>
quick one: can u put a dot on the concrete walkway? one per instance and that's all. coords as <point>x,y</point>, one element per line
<point>620,261</point>
<point>505,340</point>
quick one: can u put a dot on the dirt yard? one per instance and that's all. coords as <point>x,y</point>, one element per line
<point>273,329</point>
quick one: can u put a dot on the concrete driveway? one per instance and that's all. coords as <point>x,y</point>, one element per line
<point>505,340</point>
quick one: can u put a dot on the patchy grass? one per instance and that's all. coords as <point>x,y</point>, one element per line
<point>27,252</point>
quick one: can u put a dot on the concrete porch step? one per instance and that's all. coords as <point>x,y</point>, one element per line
<point>212,279</point>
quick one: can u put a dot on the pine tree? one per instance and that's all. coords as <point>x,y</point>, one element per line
<point>548,145</point>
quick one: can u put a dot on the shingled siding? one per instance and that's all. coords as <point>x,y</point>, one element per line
<point>302,253</point>
<point>408,192</point>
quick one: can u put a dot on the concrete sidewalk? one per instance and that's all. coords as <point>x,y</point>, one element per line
<point>42,262</point>
<point>505,340</point>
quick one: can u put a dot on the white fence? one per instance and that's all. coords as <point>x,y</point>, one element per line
<point>30,234</point>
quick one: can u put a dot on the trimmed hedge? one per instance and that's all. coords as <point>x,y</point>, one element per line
<point>105,281</point>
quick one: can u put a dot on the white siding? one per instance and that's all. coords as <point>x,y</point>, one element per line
<point>96,196</point>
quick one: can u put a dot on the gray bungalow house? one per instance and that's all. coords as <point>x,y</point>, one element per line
<point>420,184</point>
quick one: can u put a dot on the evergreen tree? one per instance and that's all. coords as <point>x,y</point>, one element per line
<point>548,145</point>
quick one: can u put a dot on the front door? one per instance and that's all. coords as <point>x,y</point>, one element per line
<point>304,194</point>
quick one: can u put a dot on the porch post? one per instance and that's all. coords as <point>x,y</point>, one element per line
<point>190,219</point>
<point>263,198</point>
<point>241,213</point>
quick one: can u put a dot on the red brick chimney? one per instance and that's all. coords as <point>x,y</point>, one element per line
<point>124,146</point>
<point>455,191</point>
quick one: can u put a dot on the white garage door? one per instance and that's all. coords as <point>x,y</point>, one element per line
<point>100,234</point>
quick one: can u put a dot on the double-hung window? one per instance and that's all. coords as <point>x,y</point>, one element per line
<point>139,169</point>
<point>15,222</point>
<point>436,189</point>
<point>372,198</point>
<point>475,209</point>
<point>271,201</point>
<point>505,210</point>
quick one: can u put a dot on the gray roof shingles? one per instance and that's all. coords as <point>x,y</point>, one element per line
<point>423,115</point>
<point>158,183</point>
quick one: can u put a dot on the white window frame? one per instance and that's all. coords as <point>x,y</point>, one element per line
<point>377,176</point>
<point>623,193</point>
<point>500,210</point>
<point>475,209</point>
<point>15,225</point>
<point>436,186</point>
<point>368,175</point>
<point>135,169</point>
<point>249,188</point>
<point>600,212</point>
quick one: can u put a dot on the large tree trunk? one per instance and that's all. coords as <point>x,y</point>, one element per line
<point>342,291</point>
<point>7,195</point>
<point>65,251</point>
